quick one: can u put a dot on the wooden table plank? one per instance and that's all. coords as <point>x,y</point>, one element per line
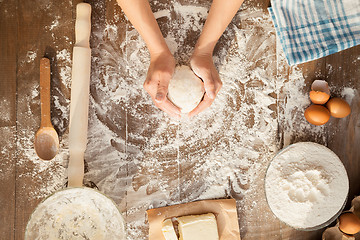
<point>8,54</point>
<point>343,73</point>
<point>45,29</point>
<point>152,147</point>
<point>107,116</point>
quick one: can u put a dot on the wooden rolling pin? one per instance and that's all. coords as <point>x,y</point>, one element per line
<point>79,105</point>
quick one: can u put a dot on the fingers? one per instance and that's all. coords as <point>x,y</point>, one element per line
<point>156,88</point>
<point>211,79</point>
<point>160,71</point>
<point>204,104</point>
<point>210,89</point>
<point>169,108</point>
<point>212,86</point>
<point>209,85</point>
<point>162,90</point>
<point>150,87</point>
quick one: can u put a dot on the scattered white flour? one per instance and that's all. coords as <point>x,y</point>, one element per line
<point>330,68</point>
<point>54,23</point>
<point>30,56</point>
<point>111,31</point>
<point>5,115</point>
<point>162,13</point>
<point>64,61</point>
<point>348,93</point>
<point>293,99</point>
<point>185,89</point>
<point>64,55</point>
<point>65,74</point>
<point>35,93</point>
<point>51,174</point>
<point>76,213</point>
<point>306,185</point>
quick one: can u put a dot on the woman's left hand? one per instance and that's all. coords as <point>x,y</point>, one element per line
<point>203,66</point>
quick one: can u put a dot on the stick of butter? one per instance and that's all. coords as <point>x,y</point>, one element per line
<point>168,230</point>
<point>199,227</point>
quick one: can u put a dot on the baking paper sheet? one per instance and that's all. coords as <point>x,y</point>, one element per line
<point>224,210</point>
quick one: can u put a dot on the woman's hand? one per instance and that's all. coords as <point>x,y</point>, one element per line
<point>219,17</point>
<point>162,63</point>
<point>161,69</point>
<point>203,66</point>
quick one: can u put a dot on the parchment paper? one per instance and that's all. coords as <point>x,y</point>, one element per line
<point>224,210</point>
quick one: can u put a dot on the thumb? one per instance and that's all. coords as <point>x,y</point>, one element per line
<point>209,86</point>
<point>161,91</point>
<point>208,82</point>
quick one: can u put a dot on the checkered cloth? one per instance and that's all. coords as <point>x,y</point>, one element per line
<point>311,29</point>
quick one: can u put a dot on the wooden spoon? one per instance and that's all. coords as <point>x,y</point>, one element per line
<point>46,138</point>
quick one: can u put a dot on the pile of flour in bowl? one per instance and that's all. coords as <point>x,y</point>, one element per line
<point>306,185</point>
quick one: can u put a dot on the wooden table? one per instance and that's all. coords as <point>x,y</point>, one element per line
<point>34,29</point>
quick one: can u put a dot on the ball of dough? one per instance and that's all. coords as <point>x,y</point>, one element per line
<point>185,89</point>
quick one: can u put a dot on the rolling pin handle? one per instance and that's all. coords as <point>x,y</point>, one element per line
<point>83,25</point>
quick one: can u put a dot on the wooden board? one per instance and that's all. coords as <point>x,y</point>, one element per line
<point>8,153</point>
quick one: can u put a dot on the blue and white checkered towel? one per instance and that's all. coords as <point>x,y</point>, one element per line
<point>311,29</point>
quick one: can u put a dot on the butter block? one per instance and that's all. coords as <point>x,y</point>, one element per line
<point>198,227</point>
<point>168,230</point>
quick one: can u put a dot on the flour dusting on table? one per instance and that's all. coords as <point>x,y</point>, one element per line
<point>142,159</point>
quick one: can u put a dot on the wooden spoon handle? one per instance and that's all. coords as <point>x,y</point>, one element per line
<point>45,92</point>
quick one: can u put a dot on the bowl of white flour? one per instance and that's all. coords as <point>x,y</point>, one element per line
<point>306,186</point>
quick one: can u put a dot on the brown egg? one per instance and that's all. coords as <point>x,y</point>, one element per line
<point>317,114</point>
<point>320,93</point>
<point>349,223</point>
<point>319,97</point>
<point>338,108</point>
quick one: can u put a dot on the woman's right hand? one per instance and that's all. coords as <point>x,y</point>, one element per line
<point>161,69</point>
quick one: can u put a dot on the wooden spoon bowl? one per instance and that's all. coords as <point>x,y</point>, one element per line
<point>46,143</point>
<point>46,138</point>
